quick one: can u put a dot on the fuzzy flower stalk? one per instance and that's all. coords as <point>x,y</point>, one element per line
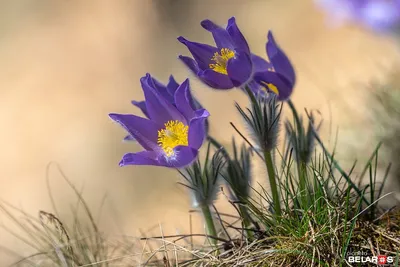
<point>302,141</point>
<point>238,175</point>
<point>262,121</point>
<point>203,180</point>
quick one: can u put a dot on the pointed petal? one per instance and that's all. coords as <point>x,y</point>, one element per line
<point>216,80</point>
<point>159,109</point>
<point>143,130</point>
<point>239,68</point>
<point>275,82</point>
<point>162,90</point>
<point>279,59</point>
<point>182,100</point>
<point>236,35</point>
<point>221,36</point>
<point>142,106</point>
<point>202,53</point>
<point>172,85</point>
<point>190,63</point>
<point>140,158</point>
<point>194,104</point>
<point>260,64</point>
<point>198,129</point>
<point>184,156</point>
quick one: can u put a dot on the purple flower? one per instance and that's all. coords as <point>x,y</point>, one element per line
<point>174,130</point>
<point>277,76</point>
<point>231,64</point>
<point>225,66</point>
<point>379,15</point>
<point>168,92</point>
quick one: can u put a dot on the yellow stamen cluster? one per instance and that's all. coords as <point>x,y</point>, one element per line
<point>174,134</point>
<point>273,88</point>
<point>221,60</point>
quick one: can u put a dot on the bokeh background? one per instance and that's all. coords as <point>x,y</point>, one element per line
<point>66,64</point>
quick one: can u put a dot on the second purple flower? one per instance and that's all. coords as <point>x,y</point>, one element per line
<point>225,66</point>
<point>231,64</point>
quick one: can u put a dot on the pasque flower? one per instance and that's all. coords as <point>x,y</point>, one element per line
<point>224,66</point>
<point>378,15</point>
<point>231,64</point>
<point>168,92</point>
<point>278,75</point>
<point>174,130</point>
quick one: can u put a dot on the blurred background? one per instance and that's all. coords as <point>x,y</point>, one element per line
<point>64,65</point>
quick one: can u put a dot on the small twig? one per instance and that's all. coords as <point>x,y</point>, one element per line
<point>191,230</point>
<point>384,213</point>
<point>377,247</point>
<point>165,258</point>
<point>223,227</point>
<point>371,246</point>
<point>373,203</point>
<point>185,236</point>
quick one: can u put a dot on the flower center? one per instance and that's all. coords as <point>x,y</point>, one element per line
<point>273,88</point>
<point>221,60</point>
<point>174,134</point>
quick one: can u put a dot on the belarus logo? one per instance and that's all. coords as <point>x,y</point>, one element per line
<point>380,259</point>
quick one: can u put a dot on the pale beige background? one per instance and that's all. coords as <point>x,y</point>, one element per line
<point>64,65</point>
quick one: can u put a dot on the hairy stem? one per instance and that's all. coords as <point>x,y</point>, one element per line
<point>301,168</point>
<point>209,221</point>
<point>272,181</point>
